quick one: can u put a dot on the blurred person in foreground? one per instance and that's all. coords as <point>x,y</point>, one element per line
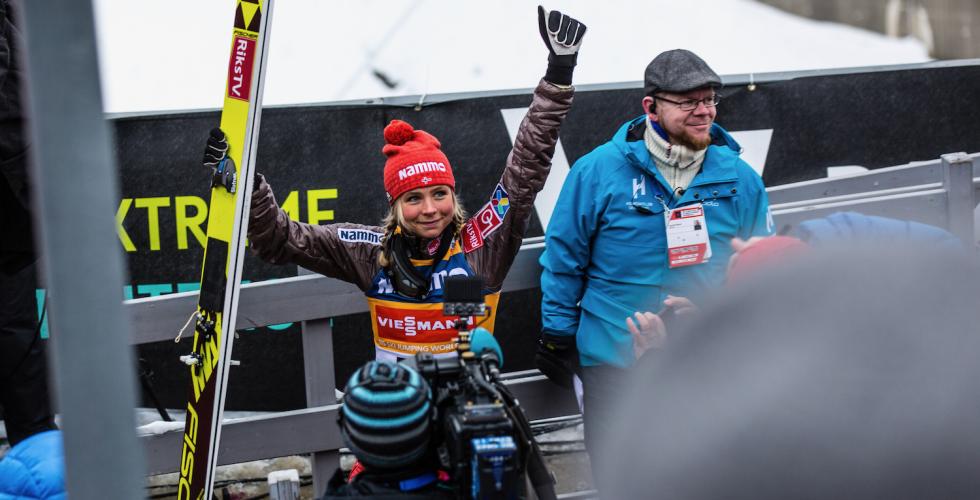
<point>646,215</point>
<point>847,371</point>
<point>34,469</point>
<point>649,330</point>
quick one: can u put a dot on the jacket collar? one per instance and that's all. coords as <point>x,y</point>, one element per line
<point>719,162</point>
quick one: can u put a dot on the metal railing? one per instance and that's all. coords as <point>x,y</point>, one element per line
<point>312,299</point>
<point>942,192</point>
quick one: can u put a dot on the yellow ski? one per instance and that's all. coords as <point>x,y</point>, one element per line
<point>221,273</point>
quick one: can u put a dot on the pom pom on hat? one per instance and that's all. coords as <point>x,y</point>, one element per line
<point>398,133</point>
<point>415,160</point>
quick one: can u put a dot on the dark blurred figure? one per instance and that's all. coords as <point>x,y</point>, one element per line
<point>23,371</point>
<point>841,373</point>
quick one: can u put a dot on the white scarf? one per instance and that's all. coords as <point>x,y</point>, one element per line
<point>678,164</point>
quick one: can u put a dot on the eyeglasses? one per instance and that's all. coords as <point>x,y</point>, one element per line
<point>692,104</point>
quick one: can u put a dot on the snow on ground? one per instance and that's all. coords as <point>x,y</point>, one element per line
<point>173,55</point>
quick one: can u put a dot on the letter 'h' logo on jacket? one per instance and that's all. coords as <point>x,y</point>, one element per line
<point>639,186</point>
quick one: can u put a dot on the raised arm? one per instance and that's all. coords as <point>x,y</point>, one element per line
<point>529,161</point>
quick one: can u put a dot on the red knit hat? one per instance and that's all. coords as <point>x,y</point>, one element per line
<point>414,160</point>
<point>762,254</point>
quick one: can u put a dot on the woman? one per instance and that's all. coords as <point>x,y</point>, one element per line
<point>426,237</point>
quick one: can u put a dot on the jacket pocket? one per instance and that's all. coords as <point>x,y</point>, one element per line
<point>720,210</point>
<point>605,308</point>
<point>615,310</point>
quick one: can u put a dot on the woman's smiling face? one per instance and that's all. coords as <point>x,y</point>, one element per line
<point>427,211</point>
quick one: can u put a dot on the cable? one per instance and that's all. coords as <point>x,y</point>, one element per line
<point>485,318</point>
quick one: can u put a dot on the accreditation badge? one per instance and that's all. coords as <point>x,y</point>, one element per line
<point>687,236</point>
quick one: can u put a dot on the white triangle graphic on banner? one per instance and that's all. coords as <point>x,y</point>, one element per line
<point>755,149</point>
<point>544,204</point>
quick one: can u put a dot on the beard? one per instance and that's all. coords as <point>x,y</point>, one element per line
<point>688,140</point>
<point>694,143</point>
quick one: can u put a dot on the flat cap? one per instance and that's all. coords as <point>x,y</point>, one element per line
<point>678,71</point>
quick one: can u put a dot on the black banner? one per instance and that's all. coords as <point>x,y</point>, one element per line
<point>325,165</point>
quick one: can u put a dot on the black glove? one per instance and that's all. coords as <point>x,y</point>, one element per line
<point>217,148</point>
<point>557,358</point>
<point>223,171</point>
<point>562,35</point>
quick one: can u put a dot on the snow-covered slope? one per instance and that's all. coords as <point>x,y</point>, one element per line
<point>173,55</point>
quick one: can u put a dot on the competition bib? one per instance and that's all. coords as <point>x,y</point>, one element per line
<point>405,328</point>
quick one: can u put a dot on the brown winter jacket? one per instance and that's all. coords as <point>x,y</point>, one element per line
<point>349,251</point>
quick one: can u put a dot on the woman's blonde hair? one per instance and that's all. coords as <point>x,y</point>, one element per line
<point>395,219</point>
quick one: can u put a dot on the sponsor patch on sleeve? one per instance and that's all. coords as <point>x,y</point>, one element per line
<point>359,236</point>
<point>500,201</point>
<point>486,220</point>
<point>472,239</point>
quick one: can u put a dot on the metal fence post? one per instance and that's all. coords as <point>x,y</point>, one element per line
<point>958,183</point>
<point>320,386</point>
<point>75,193</point>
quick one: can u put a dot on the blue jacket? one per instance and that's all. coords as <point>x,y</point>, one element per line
<point>850,226</point>
<point>34,469</point>
<point>605,250</point>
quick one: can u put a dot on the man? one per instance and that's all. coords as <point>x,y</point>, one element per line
<point>848,371</point>
<point>610,250</point>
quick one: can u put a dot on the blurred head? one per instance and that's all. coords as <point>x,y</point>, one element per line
<point>845,373</point>
<point>761,254</point>
<point>386,416</point>
<point>680,97</point>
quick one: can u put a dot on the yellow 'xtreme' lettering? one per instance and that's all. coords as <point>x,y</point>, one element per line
<point>186,216</point>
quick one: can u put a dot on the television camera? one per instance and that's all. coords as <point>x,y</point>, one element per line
<point>484,439</point>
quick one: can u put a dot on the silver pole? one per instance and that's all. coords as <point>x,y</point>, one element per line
<point>960,203</point>
<point>75,190</point>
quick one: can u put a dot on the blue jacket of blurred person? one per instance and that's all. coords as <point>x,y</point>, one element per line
<point>851,226</point>
<point>34,469</point>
